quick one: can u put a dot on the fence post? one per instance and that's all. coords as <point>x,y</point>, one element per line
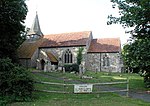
<point>128,84</point>
<point>64,85</point>
<point>127,87</point>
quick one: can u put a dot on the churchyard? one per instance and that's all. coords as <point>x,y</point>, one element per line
<point>83,99</point>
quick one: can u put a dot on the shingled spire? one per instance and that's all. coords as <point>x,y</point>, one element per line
<point>35,29</point>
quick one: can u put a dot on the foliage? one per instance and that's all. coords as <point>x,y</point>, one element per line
<point>12,16</point>
<point>137,54</point>
<point>135,13</point>
<point>79,56</point>
<point>16,82</point>
<point>71,67</point>
<point>147,79</point>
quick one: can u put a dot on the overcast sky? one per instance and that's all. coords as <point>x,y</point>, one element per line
<point>61,16</point>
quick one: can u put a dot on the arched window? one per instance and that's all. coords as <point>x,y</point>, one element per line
<point>68,56</point>
<point>106,61</point>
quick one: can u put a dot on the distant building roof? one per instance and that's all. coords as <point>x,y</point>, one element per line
<point>66,39</point>
<point>105,45</point>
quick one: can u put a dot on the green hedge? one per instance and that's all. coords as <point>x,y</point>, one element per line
<point>15,82</point>
<point>71,67</point>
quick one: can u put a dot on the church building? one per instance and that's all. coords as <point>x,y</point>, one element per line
<point>50,52</point>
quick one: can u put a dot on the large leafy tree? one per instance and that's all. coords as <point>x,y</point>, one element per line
<point>137,55</point>
<point>136,14</point>
<point>12,16</point>
<point>133,13</point>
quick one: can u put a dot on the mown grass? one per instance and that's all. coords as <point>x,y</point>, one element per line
<point>105,99</point>
<point>101,99</point>
<point>135,80</point>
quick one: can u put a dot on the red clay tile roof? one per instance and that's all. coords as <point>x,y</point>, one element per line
<point>66,39</point>
<point>105,45</point>
<point>27,49</point>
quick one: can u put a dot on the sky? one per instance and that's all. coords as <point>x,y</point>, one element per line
<point>62,16</point>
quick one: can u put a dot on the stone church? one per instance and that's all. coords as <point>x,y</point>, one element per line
<point>51,52</point>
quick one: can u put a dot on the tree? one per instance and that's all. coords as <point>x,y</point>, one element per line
<point>136,14</point>
<point>79,56</point>
<point>136,55</point>
<point>16,83</point>
<point>12,16</point>
<point>133,13</point>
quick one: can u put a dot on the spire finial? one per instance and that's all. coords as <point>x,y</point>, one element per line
<point>36,7</point>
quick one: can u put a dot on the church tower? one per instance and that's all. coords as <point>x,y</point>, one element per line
<point>35,30</point>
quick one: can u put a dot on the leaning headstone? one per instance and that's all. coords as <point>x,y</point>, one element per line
<point>53,67</point>
<point>49,67</point>
<point>80,70</point>
<point>59,68</point>
<point>63,69</point>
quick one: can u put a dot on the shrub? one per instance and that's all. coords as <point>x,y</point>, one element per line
<point>15,81</point>
<point>67,67</point>
<point>147,80</point>
<point>79,56</point>
<point>71,67</point>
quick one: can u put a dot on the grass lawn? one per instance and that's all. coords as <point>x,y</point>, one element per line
<point>102,99</point>
<point>105,99</point>
<point>135,80</point>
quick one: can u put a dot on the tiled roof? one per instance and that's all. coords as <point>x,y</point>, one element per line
<point>51,57</point>
<point>105,45</point>
<point>27,49</point>
<point>66,39</point>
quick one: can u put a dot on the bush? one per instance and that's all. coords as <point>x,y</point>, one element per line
<point>79,56</point>
<point>15,81</point>
<point>147,80</point>
<point>71,67</point>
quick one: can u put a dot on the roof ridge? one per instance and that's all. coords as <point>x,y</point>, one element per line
<point>67,33</point>
<point>109,38</point>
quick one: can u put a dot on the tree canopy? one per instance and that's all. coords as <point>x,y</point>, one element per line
<point>12,16</point>
<point>137,55</point>
<point>133,13</point>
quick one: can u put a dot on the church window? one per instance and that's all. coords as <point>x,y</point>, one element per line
<point>68,56</point>
<point>108,63</point>
<point>106,60</point>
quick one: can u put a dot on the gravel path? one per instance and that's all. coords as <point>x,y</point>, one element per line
<point>145,96</point>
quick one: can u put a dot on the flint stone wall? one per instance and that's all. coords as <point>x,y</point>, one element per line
<point>95,62</point>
